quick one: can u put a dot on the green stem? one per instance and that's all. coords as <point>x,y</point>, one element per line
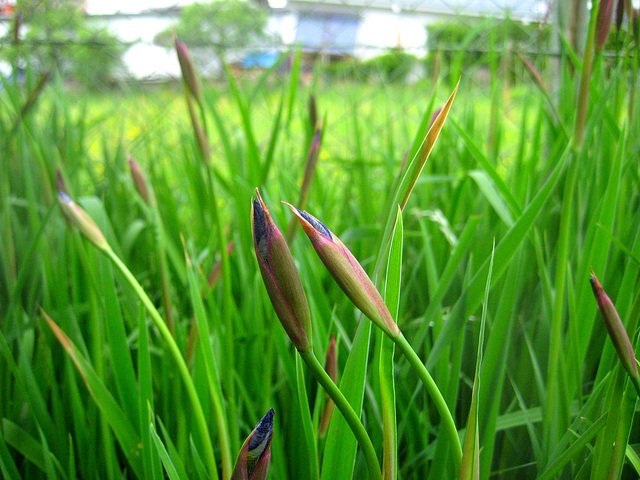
<point>349,415</point>
<point>636,385</point>
<point>177,355</point>
<point>436,396</point>
<point>585,78</point>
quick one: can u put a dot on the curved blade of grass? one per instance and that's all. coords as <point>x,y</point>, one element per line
<point>488,168</point>
<point>169,467</point>
<point>115,416</point>
<point>152,468</point>
<point>556,467</point>
<point>340,450</point>
<point>470,468</point>
<point>307,425</point>
<point>494,198</point>
<point>28,446</point>
<point>123,371</point>
<point>471,298</point>
<point>212,371</point>
<point>387,348</point>
<point>175,352</point>
<point>409,179</point>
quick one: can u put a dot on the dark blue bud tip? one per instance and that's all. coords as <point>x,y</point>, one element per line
<point>315,223</point>
<point>259,228</point>
<point>263,430</point>
<point>64,197</point>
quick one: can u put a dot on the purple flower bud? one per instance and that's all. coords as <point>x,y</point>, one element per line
<point>140,181</point>
<point>255,454</point>
<point>603,22</point>
<point>280,276</point>
<point>347,272</point>
<point>188,69</point>
<point>615,328</point>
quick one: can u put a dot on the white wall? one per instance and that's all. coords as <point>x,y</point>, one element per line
<point>143,59</point>
<point>381,30</point>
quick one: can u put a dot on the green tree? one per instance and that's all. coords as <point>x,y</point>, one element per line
<point>57,36</point>
<point>220,25</point>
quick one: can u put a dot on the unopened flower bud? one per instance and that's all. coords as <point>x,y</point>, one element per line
<point>140,181</point>
<point>83,222</point>
<point>255,454</point>
<point>615,328</point>
<point>603,22</point>
<point>281,277</point>
<point>188,69</point>
<point>347,272</point>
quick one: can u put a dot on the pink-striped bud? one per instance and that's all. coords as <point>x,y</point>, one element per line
<point>280,276</point>
<point>347,272</point>
<point>615,328</point>
<point>189,73</point>
<point>603,22</point>
<point>255,454</point>
<point>83,222</point>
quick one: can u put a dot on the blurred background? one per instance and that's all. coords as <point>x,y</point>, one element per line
<point>403,39</point>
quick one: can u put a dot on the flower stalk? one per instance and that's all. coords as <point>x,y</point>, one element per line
<point>81,220</point>
<point>287,296</point>
<point>356,284</point>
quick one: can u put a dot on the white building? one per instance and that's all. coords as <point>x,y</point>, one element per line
<point>365,28</point>
<point>358,28</point>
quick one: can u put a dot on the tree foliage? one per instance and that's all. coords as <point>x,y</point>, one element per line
<point>221,25</point>
<point>57,36</point>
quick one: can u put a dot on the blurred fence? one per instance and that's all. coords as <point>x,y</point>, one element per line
<point>427,33</point>
<point>490,44</point>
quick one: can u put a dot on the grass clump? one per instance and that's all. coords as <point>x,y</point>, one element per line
<point>550,177</point>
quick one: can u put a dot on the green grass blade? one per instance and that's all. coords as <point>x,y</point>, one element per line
<point>409,179</point>
<point>503,254</point>
<point>340,450</point>
<point>115,416</point>
<point>387,349</point>
<point>211,369</point>
<point>152,468</point>
<point>169,467</point>
<point>489,191</point>
<point>470,468</point>
<point>444,283</point>
<point>118,348</point>
<point>29,447</point>
<point>307,425</point>
<point>7,465</point>
<point>556,467</point>
<point>488,168</point>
